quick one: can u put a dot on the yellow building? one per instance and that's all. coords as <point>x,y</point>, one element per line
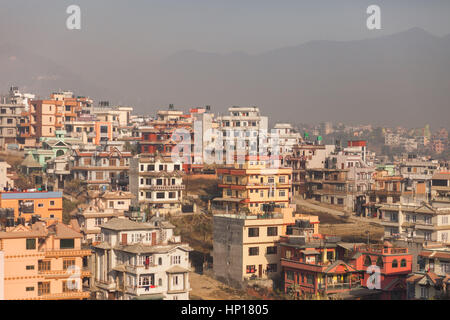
<point>48,205</point>
<point>245,246</point>
<point>42,263</point>
<point>252,184</point>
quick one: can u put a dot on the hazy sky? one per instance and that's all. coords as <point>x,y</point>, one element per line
<point>122,43</point>
<point>153,29</point>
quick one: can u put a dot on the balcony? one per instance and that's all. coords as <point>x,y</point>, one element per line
<point>65,295</point>
<point>62,274</point>
<point>163,188</point>
<point>67,253</point>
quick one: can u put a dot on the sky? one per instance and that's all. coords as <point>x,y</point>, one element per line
<point>119,39</point>
<point>154,29</point>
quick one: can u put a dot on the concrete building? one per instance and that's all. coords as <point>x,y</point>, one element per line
<point>432,280</point>
<point>252,185</point>
<point>102,169</point>
<point>245,246</point>
<point>6,181</point>
<point>10,115</point>
<point>284,138</point>
<point>306,156</point>
<point>48,205</point>
<point>141,261</point>
<point>243,129</point>
<point>41,262</point>
<point>101,208</point>
<point>157,183</point>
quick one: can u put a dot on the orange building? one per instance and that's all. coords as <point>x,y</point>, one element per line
<point>103,131</point>
<point>42,262</point>
<point>48,205</point>
<point>253,184</point>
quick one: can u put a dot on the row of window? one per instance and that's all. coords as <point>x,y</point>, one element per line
<point>63,244</point>
<point>380,263</point>
<point>160,195</point>
<point>271,232</point>
<point>254,251</point>
<point>161,167</point>
<point>272,267</point>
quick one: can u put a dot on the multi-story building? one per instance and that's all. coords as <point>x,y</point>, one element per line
<point>6,176</point>
<point>141,261</point>
<point>327,265</point>
<point>41,262</point>
<point>245,246</point>
<point>10,115</point>
<point>253,184</point>
<point>48,205</point>
<point>101,208</point>
<point>418,176</point>
<point>102,169</point>
<point>415,221</point>
<point>157,183</point>
<point>243,129</point>
<point>284,138</point>
<point>329,186</point>
<point>432,280</point>
<point>306,156</point>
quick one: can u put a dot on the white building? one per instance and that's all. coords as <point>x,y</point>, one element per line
<point>141,261</point>
<point>243,129</point>
<point>284,138</point>
<point>102,208</point>
<point>5,177</point>
<point>157,183</point>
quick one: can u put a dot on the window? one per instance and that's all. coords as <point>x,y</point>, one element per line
<point>380,262</point>
<point>148,195</point>
<point>150,167</point>
<point>175,280</point>
<point>98,221</point>
<point>52,203</point>
<point>272,231</point>
<point>160,195</point>
<point>43,265</point>
<point>272,250</point>
<point>30,267</point>
<point>253,251</point>
<point>31,244</point>
<point>66,244</point>
<point>395,263</point>
<point>67,263</point>
<point>175,259</point>
<point>251,269</point>
<point>40,205</point>
<point>427,220</point>
<point>427,235</point>
<point>424,293</point>
<point>253,232</point>
<point>282,179</point>
<point>43,288</point>
<point>403,263</point>
<point>147,280</point>
<point>160,261</point>
<point>282,193</point>
<point>290,275</point>
<point>272,267</point>
<point>367,261</point>
<point>172,195</point>
<point>69,285</point>
<point>29,289</point>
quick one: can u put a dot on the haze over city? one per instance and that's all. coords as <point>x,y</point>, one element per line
<point>314,61</point>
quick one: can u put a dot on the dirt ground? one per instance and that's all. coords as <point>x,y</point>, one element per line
<point>348,228</point>
<point>207,288</point>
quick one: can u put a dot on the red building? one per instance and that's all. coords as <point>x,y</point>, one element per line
<point>326,265</point>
